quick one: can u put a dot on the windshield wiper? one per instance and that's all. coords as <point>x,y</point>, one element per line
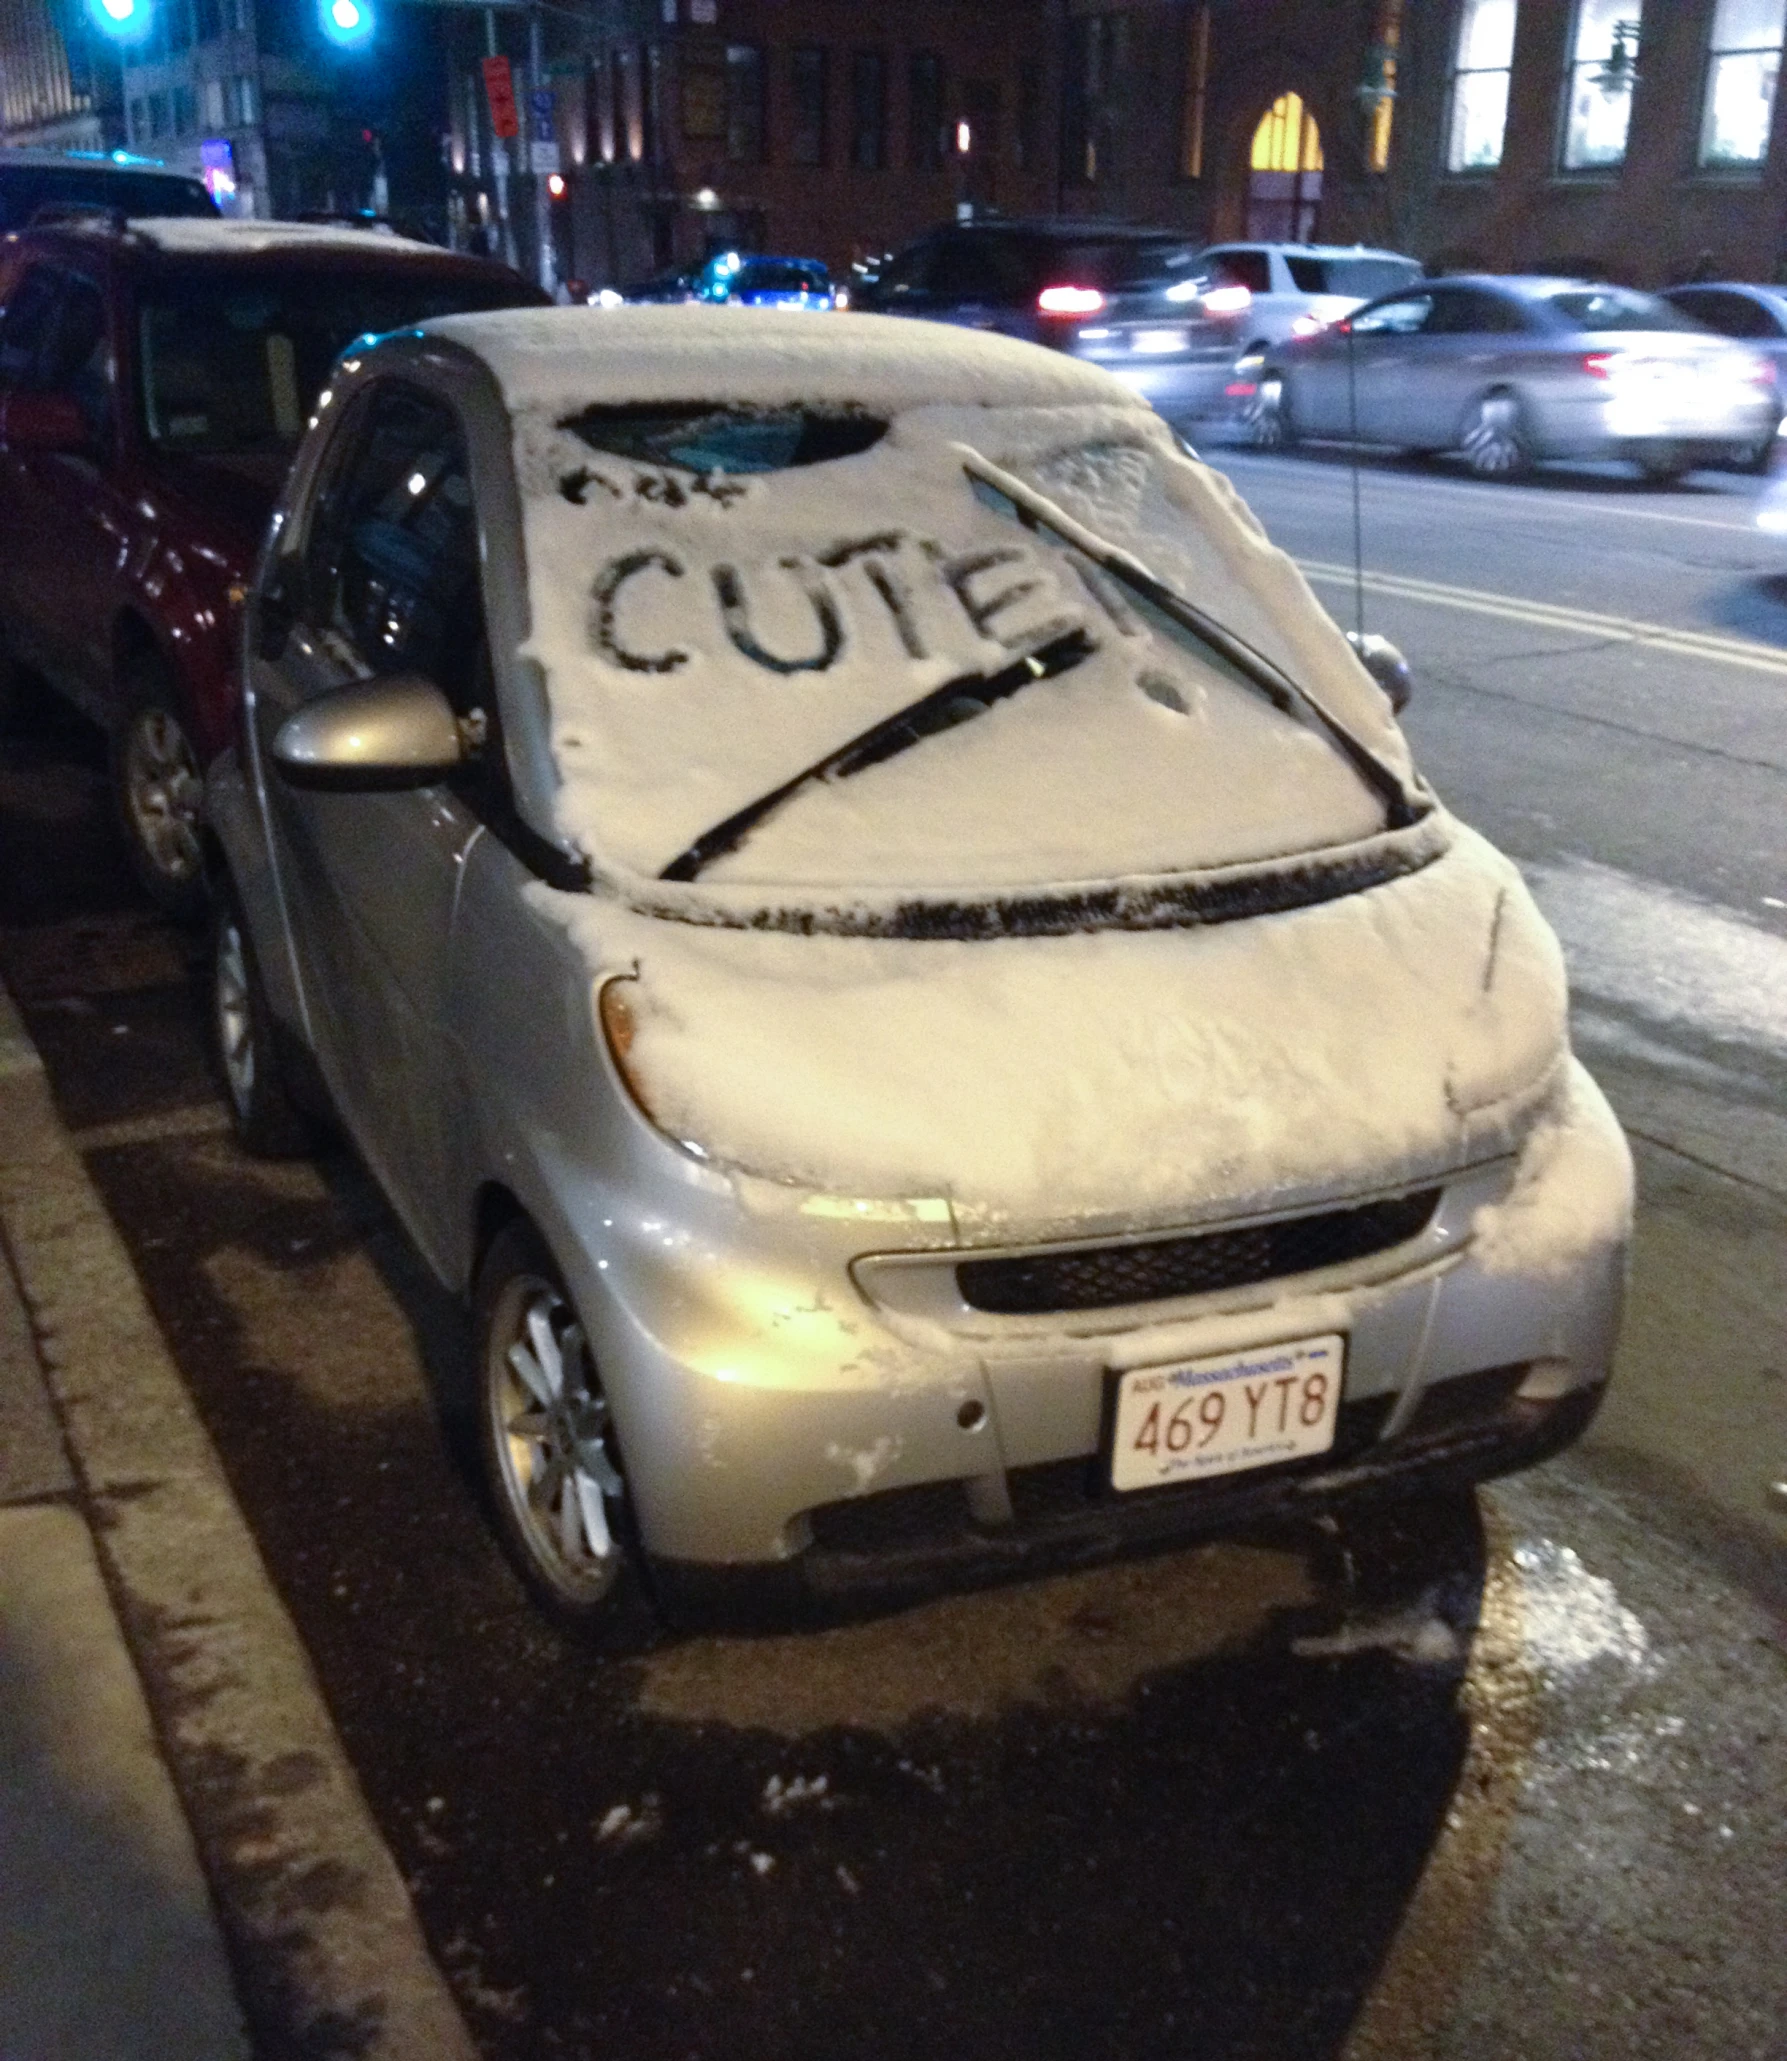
<point>957,701</point>
<point>1036,511</point>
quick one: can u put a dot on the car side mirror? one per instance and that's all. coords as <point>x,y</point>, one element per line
<point>39,419</point>
<point>1385,664</point>
<point>377,736</point>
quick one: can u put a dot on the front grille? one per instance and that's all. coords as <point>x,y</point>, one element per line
<point>1106,1276</point>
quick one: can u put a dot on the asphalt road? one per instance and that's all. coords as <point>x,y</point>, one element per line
<point>1505,1780</point>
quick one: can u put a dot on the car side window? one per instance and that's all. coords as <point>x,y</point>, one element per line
<point>1249,268</point>
<point>1468,311</point>
<point>967,268</point>
<point>78,356</point>
<point>1406,316</point>
<point>1732,314</point>
<point>909,272</point>
<point>392,566</point>
<point>28,326</point>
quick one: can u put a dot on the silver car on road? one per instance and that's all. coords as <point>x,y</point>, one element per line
<point>1510,371</point>
<point>863,916</point>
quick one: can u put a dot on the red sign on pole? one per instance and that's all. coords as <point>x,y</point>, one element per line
<point>499,90</point>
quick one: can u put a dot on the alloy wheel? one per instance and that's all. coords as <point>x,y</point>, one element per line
<point>1268,422</point>
<point>551,1426</point>
<point>235,1015</point>
<point>163,789</point>
<point>1494,444</point>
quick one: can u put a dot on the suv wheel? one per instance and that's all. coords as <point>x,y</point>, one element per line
<point>159,785</point>
<point>549,1448</point>
<point>266,1119</point>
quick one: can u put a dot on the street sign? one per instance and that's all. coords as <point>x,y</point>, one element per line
<point>541,105</point>
<point>543,158</point>
<point>499,90</point>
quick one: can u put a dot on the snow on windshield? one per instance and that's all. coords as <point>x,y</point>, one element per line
<point>706,636</point>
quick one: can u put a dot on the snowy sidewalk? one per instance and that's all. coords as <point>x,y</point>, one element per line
<point>109,1947</point>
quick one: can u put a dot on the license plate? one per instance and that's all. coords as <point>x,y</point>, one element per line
<point>1156,341</point>
<point>1227,1412</point>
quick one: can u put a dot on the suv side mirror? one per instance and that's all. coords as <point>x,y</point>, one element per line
<point>377,735</point>
<point>40,419</point>
<point>1385,664</point>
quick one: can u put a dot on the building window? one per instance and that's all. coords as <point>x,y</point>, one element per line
<point>242,96</point>
<point>179,26</point>
<point>807,80</point>
<point>632,100</point>
<point>1479,99</point>
<point>703,99</point>
<point>185,111</point>
<point>1284,180</point>
<point>1027,136</point>
<point>242,17</point>
<point>1603,70</point>
<point>744,104</point>
<point>925,140</point>
<point>1197,90</point>
<point>868,110</point>
<point>139,121</point>
<point>209,15</point>
<point>159,120</point>
<point>1742,66</point>
<point>600,117</point>
<point>1379,93</point>
<point>1095,67</point>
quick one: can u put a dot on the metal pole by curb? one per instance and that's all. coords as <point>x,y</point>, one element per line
<point>328,1955</point>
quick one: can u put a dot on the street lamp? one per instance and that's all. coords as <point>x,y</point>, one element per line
<point>123,21</point>
<point>347,23</point>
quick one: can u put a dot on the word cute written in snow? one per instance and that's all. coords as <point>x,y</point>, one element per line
<point>888,582</point>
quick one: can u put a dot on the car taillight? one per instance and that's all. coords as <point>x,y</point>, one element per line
<point>1070,300</point>
<point>1228,300</point>
<point>1600,364</point>
<point>1761,372</point>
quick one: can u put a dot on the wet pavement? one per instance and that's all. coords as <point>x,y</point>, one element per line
<point>1497,1777</point>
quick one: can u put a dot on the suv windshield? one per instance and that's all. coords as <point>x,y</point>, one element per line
<point>24,189</point>
<point>1361,278</point>
<point>236,364</point>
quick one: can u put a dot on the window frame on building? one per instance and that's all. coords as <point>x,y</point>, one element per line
<point>1720,55</point>
<point>868,110</point>
<point>747,111</point>
<point>1574,152</point>
<point>926,112</point>
<point>809,104</point>
<point>1459,79</point>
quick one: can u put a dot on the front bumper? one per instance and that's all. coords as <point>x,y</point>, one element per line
<point>834,1410</point>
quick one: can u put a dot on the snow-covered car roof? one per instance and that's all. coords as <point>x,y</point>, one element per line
<point>570,357</point>
<point>228,236</point>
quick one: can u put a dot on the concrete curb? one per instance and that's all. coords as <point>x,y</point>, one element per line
<point>326,1948</point>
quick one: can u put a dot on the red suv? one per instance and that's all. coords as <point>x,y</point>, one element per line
<point>154,377</point>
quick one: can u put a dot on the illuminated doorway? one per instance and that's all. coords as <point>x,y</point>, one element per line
<point>1284,181</point>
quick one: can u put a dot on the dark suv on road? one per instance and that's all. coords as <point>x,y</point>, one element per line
<point>154,378</point>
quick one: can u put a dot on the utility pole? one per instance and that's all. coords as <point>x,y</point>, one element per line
<point>539,86</point>
<point>499,158</point>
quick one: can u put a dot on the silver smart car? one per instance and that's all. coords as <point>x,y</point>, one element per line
<point>862,914</point>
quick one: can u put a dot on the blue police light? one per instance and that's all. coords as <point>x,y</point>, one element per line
<point>345,22</point>
<point>123,20</point>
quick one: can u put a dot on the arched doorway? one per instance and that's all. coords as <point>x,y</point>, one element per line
<point>1284,180</point>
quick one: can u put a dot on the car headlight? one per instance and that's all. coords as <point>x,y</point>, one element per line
<point>617,1008</point>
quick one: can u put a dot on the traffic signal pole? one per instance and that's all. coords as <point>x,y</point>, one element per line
<point>499,157</point>
<point>539,85</point>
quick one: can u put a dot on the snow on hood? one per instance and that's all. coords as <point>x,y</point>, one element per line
<point>1106,1078</point>
<point>704,639</point>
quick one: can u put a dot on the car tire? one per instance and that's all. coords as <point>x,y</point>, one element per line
<point>266,1118</point>
<point>158,786</point>
<point>1495,438</point>
<point>550,1456</point>
<point>1269,423</point>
